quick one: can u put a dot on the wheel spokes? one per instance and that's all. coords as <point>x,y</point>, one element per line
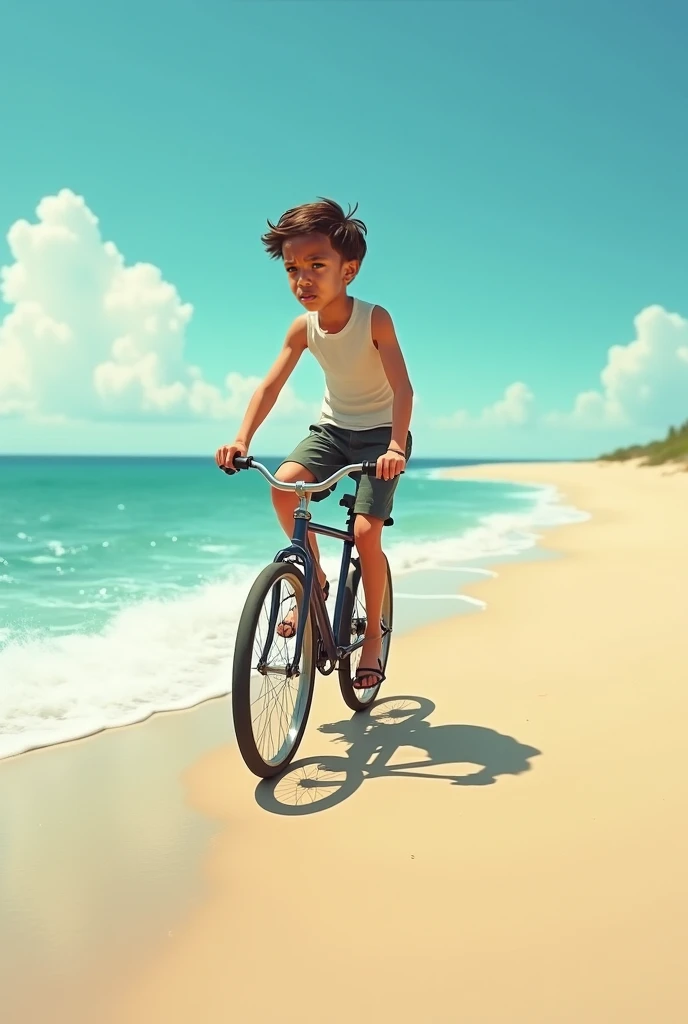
<point>277,699</point>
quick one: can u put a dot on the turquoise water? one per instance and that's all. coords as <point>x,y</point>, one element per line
<point>122,580</point>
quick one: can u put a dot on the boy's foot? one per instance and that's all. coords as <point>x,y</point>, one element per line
<point>369,672</point>
<point>287,627</point>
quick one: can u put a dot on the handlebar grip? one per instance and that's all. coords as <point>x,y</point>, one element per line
<point>239,463</point>
<point>370,469</point>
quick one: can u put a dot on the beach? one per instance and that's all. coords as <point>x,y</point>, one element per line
<point>502,839</point>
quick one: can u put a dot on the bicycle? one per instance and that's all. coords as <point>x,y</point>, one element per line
<point>284,682</point>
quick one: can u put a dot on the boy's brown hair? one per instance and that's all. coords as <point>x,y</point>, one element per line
<point>345,232</point>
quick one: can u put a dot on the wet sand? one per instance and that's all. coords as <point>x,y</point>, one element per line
<point>100,858</point>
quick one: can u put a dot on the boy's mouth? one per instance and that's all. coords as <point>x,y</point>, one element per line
<point>308,297</point>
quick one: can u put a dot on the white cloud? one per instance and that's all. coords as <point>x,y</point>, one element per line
<point>89,337</point>
<point>644,383</point>
<point>514,408</point>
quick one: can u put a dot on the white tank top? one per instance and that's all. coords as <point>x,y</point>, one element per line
<point>358,395</point>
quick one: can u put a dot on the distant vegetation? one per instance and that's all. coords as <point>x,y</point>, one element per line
<point>674,448</point>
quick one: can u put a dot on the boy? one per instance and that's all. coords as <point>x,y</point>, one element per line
<point>368,400</point>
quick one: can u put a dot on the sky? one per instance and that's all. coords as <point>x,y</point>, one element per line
<point>521,167</point>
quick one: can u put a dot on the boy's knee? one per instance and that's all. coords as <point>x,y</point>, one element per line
<point>289,473</point>
<point>367,531</point>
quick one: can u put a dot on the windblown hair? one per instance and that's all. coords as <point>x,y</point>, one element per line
<point>345,232</point>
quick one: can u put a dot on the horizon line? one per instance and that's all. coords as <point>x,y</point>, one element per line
<point>266,455</point>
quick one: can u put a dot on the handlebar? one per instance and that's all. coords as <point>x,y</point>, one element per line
<point>248,462</point>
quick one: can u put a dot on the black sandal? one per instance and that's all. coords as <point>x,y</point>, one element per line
<point>363,672</point>
<point>290,625</point>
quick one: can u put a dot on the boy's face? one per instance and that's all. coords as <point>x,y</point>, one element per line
<point>317,274</point>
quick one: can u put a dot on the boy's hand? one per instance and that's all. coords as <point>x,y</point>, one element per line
<point>390,465</point>
<point>224,456</point>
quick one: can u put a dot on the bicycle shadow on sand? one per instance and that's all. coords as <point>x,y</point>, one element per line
<point>315,784</point>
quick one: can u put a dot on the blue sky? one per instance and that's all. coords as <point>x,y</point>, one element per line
<point>521,168</point>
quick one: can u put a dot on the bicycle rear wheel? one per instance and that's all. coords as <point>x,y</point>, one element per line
<point>353,625</point>
<point>269,707</point>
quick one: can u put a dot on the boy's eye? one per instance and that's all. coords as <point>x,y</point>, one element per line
<point>292,270</point>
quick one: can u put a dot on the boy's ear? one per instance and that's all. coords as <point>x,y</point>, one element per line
<point>350,269</point>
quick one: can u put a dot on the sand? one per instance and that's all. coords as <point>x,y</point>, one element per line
<point>502,840</point>
<point>531,867</point>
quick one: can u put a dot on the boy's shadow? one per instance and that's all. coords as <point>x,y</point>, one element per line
<point>317,783</point>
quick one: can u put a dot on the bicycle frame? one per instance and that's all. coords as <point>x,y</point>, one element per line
<point>299,550</point>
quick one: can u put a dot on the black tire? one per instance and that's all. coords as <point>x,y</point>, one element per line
<point>351,626</point>
<point>245,657</point>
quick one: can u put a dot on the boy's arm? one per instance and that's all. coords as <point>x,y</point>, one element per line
<point>267,392</point>
<point>387,344</point>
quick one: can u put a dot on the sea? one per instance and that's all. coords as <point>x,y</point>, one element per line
<point>122,579</point>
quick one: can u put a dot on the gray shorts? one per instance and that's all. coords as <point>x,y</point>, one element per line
<point>328,448</point>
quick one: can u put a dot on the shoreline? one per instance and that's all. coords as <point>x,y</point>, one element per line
<point>424,595</point>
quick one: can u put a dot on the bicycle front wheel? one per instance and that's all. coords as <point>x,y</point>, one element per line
<point>270,705</point>
<point>353,626</point>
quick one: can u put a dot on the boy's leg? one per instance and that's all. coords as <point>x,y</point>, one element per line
<point>368,537</point>
<point>315,458</point>
<point>373,506</point>
<point>285,502</point>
